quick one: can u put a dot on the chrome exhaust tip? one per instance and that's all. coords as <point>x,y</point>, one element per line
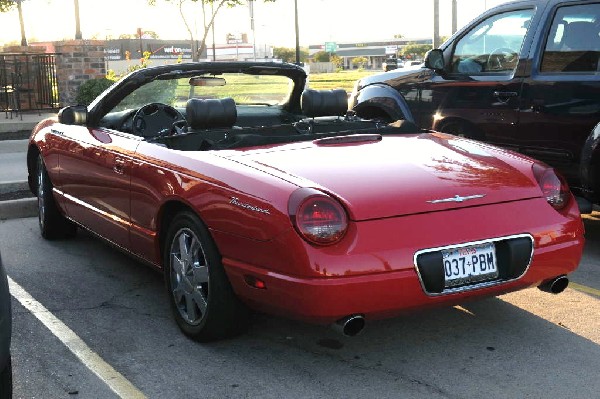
<point>350,326</point>
<point>555,285</point>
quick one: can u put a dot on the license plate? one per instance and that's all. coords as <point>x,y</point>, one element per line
<point>469,265</point>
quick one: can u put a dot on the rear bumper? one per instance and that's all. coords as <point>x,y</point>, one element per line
<point>393,287</point>
<point>377,296</point>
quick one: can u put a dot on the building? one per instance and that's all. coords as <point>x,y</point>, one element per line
<point>375,52</point>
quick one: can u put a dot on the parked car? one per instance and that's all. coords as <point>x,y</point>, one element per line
<point>248,192</point>
<point>390,64</point>
<point>524,75</point>
<point>5,334</point>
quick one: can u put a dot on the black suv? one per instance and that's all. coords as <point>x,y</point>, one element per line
<point>524,75</point>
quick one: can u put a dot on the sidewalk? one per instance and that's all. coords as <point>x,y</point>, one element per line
<point>17,127</point>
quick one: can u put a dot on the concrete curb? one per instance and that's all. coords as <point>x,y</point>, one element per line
<point>13,186</point>
<point>15,135</point>
<point>20,208</point>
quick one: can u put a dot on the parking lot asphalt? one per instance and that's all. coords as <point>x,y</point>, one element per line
<point>526,344</point>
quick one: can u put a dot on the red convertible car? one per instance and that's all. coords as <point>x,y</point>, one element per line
<point>251,192</point>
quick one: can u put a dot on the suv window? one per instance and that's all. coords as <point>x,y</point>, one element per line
<point>574,41</point>
<point>492,46</point>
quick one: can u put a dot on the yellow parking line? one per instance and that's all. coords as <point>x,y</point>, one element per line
<point>586,289</point>
<point>111,377</point>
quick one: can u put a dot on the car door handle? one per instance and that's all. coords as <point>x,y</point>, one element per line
<point>505,94</point>
<point>119,166</point>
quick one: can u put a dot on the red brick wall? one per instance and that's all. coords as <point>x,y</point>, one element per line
<point>77,62</point>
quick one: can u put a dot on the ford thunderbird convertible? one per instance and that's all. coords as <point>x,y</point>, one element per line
<point>251,192</point>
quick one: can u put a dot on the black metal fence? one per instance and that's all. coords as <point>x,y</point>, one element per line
<point>28,82</point>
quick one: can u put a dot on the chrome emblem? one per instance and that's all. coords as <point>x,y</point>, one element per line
<point>457,198</point>
<point>236,201</point>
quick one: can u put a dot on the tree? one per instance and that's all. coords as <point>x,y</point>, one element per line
<point>288,54</point>
<point>337,61</point>
<point>413,50</point>
<point>208,17</point>
<point>360,62</point>
<point>321,56</point>
<point>9,5</point>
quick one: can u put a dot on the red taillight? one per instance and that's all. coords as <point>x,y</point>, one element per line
<point>553,185</point>
<point>318,218</point>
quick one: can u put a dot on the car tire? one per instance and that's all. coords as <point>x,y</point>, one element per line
<point>461,129</point>
<point>52,223</point>
<point>201,297</point>
<point>6,381</point>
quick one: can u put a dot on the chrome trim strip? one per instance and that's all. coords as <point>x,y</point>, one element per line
<point>112,243</point>
<point>92,208</point>
<point>484,284</point>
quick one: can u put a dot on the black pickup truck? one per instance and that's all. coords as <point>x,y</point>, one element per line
<point>524,75</point>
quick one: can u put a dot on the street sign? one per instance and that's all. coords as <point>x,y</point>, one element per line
<point>331,47</point>
<point>391,49</point>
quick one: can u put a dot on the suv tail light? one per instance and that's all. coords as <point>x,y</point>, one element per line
<point>553,185</point>
<point>318,218</point>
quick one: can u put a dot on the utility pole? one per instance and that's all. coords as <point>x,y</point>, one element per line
<point>212,10</point>
<point>251,7</point>
<point>436,23</point>
<point>297,33</point>
<point>454,17</point>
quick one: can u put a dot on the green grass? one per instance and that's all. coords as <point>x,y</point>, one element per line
<point>337,80</point>
<point>266,89</point>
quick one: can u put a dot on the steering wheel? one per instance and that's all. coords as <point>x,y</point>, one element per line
<point>502,59</point>
<point>156,119</point>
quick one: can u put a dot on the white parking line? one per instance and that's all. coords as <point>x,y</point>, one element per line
<point>111,377</point>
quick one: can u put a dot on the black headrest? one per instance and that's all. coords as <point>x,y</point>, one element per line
<point>580,35</point>
<point>324,102</point>
<point>212,113</point>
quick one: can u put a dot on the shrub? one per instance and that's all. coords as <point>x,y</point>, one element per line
<point>91,89</point>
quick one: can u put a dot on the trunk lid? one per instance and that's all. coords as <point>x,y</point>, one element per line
<point>399,175</point>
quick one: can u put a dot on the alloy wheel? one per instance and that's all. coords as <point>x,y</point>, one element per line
<point>189,276</point>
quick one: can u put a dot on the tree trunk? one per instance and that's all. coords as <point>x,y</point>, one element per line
<point>23,37</point>
<point>208,26</point>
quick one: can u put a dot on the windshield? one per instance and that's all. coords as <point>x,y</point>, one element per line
<point>243,88</point>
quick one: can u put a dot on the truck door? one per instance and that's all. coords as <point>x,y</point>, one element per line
<point>561,98</point>
<point>481,87</point>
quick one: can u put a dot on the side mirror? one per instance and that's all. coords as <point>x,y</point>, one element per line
<point>434,59</point>
<point>73,115</point>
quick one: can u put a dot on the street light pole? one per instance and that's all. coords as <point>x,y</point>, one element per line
<point>436,23</point>
<point>454,16</point>
<point>212,10</point>
<point>251,7</point>
<point>297,33</point>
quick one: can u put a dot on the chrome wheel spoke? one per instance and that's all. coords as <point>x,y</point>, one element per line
<point>190,305</point>
<point>200,275</point>
<point>178,294</point>
<point>177,266</point>
<point>200,300</point>
<point>183,249</point>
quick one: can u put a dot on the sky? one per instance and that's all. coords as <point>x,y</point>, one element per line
<point>319,20</point>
